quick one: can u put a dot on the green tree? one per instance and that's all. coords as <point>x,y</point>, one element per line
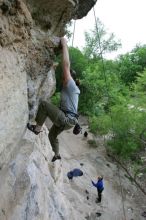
<point>129,119</point>
<point>125,130</point>
<point>99,41</point>
<point>100,89</point>
<point>138,92</point>
<point>130,64</point>
<point>78,61</point>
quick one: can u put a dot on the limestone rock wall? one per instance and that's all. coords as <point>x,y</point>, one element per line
<point>31,186</point>
<point>13,102</point>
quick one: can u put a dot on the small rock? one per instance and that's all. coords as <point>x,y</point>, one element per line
<point>108,165</point>
<point>86,191</point>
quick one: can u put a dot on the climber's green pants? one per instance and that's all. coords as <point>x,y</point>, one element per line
<point>60,122</point>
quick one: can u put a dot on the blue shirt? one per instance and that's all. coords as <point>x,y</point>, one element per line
<point>98,185</point>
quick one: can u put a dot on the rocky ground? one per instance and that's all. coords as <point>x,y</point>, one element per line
<point>121,199</point>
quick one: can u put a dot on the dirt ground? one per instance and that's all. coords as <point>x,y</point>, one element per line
<point>121,200</point>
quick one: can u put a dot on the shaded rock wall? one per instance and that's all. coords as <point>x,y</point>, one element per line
<point>54,15</point>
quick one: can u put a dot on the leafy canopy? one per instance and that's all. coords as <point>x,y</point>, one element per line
<point>132,63</point>
<point>98,41</point>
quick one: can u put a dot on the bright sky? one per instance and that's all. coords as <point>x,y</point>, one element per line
<point>125,18</point>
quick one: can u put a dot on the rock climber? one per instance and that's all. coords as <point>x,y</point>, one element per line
<point>74,173</point>
<point>65,116</point>
<point>99,186</point>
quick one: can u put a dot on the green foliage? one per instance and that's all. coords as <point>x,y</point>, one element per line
<point>138,98</point>
<point>100,124</point>
<point>100,89</point>
<point>78,61</point>
<point>56,99</point>
<point>140,86</point>
<point>91,90</point>
<point>113,108</point>
<point>126,129</point>
<point>99,41</point>
<point>131,64</point>
<point>144,170</point>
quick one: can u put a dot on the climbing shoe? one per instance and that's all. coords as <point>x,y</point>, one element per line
<point>32,128</point>
<point>56,157</point>
<point>98,201</point>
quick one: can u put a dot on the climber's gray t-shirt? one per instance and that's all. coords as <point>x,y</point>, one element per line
<point>70,97</point>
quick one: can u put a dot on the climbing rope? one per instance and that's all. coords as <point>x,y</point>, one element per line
<point>73,33</point>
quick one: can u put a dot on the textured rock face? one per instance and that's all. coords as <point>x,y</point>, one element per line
<point>27,43</point>
<point>13,102</point>
<point>53,15</point>
<point>31,185</point>
<point>15,22</point>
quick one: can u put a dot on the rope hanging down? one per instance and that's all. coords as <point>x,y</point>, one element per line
<point>73,32</point>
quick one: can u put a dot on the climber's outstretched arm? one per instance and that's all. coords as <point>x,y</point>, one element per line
<point>65,62</point>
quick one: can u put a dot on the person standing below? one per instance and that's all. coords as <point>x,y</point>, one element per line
<point>100,187</point>
<point>65,117</point>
